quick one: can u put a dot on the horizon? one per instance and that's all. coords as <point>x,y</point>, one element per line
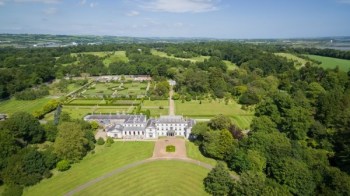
<point>210,19</point>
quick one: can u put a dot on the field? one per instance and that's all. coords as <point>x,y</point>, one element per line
<point>78,112</point>
<point>11,106</point>
<point>194,59</point>
<point>330,63</point>
<point>194,153</point>
<point>153,106</point>
<point>230,65</point>
<point>298,62</point>
<point>116,56</point>
<point>155,178</point>
<point>208,110</point>
<point>92,166</point>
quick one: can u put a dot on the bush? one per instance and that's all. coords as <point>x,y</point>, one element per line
<point>63,165</point>
<point>13,190</point>
<point>109,140</point>
<point>100,141</point>
<point>170,148</point>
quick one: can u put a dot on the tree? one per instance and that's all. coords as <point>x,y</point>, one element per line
<point>57,114</point>
<point>50,131</point>
<point>220,122</point>
<point>8,147</point>
<point>218,181</point>
<point>70,142</point>
<point>218,144</point>
<point>63,165</point>
<point>24,127</point>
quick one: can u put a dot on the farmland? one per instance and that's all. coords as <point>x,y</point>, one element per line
<point>298,62</point>
<point>155,178</point>
<point>93,165</point>
<point>330,63</point>
<point>193,59</point>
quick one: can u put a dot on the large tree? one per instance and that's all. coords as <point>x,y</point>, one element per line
<point>218,181</point>
<point>70,143</point>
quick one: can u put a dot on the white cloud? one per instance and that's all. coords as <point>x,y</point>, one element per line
<point>181,6</point>
<point>2,3</point>
<point>50,11</point>
<point>133,13</point>
<point>38,1</point>
<point>82,2</point>
<point>93,4</point>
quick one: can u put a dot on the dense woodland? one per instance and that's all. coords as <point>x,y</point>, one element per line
<point>299,142</point>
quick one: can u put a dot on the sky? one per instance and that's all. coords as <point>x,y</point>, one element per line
<point>231,19</point>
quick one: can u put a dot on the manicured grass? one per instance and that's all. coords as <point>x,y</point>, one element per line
<point>155,103</point>
<point>207,108</point>
<point>12,105</point>
<point>230,65</point>
<point>78,112</point>
<point>153,106</point>
<point>193,152</point>
<point>298,62</point>
<point>242,121</point>
<point>194,59</point>
<point>155,178</point>
<point>105,159</point>
<point>116,56</point>
<point>88,101</point>
<point>156,112</point>
<point>99,89</point>
<point>330,63</point>
<point>170,148</point>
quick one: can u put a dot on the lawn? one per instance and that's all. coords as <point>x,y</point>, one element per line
<point>298,62</point>
<point>105,159</point>
<point>155,103</point>
<point>193,152</point>
<point>155,178</point>
<point>116,56</point>
<point>208,109</point>
<point>12,105</point>
<point>99,89</point>
<point>330,63</point>
<point>242,121</point>
<point>230,65</point>
<point>78,112</point>
<point>193,59</point>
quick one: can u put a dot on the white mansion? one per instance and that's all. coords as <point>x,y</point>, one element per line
<point>139,127</point>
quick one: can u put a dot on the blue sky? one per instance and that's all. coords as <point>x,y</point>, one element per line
<point>178,18</point>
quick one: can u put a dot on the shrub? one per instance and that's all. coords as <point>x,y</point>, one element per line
<point>109,140</point>
<point>13,190</point>
<point>100,141</point>
<point>170,148</point>
<point>63,165</point>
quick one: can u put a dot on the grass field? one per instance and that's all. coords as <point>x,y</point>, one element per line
<point>230,65</point>
<point>194,59</point>
<point>298,62</point>
<point>116,56</point>
<point>155,178</point>
<point>92,166</point>
<point>153,106</point>
<point>330,63</point>
<point>207,110</point>
<point>78,112</point>
<point>194,153</point>
<point>11,106</point>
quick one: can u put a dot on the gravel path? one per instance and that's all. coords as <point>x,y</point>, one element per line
<point>171,102</point>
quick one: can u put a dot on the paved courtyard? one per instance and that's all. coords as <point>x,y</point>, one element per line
<point>160,146</point>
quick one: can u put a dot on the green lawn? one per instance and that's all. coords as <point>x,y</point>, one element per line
<point>155,178</point>
<point>207,110</point>
<point>11,106</point>
<point>116,56</point>
<point>155,103</point>
<point>99,89</point>
<point>105,159</point>
<point>298,62</point>
<point>78,112</point>
<point>194,153</point>
<point>230,65</point>
<point>194,59</point>
<point>330,63</point>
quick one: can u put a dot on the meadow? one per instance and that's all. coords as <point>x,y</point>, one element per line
<point>105,159</point>
<point>154,178</point>
<point>12,105</point>
<point>298,62</point>
<point>330,63</point>
<point>209,109</point>
<point>230,65</point>
<point>110,56</point>
<point>165,55</point>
